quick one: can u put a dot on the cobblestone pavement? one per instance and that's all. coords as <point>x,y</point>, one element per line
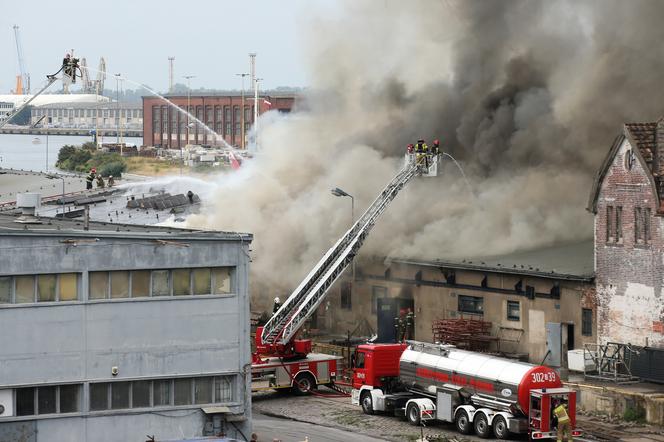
<point>339,413</point>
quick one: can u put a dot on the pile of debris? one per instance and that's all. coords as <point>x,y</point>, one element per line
<point>163,201</point>
<point>471,334</point>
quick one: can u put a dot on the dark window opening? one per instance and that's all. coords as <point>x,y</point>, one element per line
<point>346,298</point>
<point>25,401</point>
<point>587,322</point>
<point>530,292</point>
<point>555,290</point>
<point>471,304</point>
<point>485,281</point>
<point>513,311</point>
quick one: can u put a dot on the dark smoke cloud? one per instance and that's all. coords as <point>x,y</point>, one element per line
<point>526,94</point>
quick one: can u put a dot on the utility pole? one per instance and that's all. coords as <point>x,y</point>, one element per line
<point>242,112</point>
<point>254,83</point>
<point>170,74</point>
<point>117,106</point>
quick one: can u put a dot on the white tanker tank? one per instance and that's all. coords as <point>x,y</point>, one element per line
<point>501,382</point>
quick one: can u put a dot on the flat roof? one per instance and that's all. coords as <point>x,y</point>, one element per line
<point>572,261</point>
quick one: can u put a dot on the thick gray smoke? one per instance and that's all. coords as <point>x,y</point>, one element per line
<point>528,95</point>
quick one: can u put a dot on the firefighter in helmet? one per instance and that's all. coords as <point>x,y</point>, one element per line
<point>435,149</point>
<point>564,423</point>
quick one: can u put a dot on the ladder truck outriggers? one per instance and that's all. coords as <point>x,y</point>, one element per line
<point>281,360</point>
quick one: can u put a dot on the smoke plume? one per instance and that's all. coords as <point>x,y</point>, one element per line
<point>527,95</point>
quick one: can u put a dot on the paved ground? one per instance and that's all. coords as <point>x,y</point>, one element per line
<point>338,413</point>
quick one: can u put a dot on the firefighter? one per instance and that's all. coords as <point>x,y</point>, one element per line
<point>111,181</point>
<point>277,305</point>
<point>100,182</point>
<point>435,149</point>
<point>564,424</point>
<point>410,148</point>
<point>90,178</point>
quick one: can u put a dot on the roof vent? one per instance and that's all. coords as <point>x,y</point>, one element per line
<point>28,203</point>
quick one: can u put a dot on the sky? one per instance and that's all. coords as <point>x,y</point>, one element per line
<point>210,39</point>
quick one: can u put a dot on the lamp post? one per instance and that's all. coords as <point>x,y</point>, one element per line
<point>242,114</point>
<point>56,177</point>
<point>117,106</point>
<point>189,125</point>
<point>340,193</point>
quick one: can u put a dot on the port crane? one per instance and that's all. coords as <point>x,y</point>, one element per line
<point>67,70</point>
<point>23,79</point>
<point>283,361</point>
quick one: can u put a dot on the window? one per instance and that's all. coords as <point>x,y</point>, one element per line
<point>646,225</point>
<point>46,288</point>
<point>182,391</point>
<point>619,235</point>
<point>140,394</point>
<point>25,401</point>
<point>346,295</point>
<point>359,360</point>
<point>203,390</point>
<point>160,283</point>
<point>99,397</point>
<point>162,392</point>
<point>25,289</point>
<point>228,128</point>
<point>236,113</point>
<point>120,395</point>
<point>587,322</point>
<point>513,311</point>
<point>202,281</point>
<point>68,286</point>
<point>46,400</point>
<point>222,280</point>
<point>98,285</point>
<point>377,292</point>
<point>223,389</point>
<point>181,282</point>
<point>609,224</point>
<point>227,114</point>
<point>5,290</point>
<point>140,283</point>
<point>69,402</point>
<point>471,304</point>
<point>237,128</point>
<point>119,284</point>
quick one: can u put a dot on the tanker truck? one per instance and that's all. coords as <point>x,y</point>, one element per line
<point>477,392</point>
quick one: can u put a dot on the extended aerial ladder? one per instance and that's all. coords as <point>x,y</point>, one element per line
<point>278,336</point>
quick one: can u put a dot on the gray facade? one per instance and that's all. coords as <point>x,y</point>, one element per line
<point>130,331</point>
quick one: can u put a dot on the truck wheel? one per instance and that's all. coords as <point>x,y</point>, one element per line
<point>413,414</point>
<point>500,428</point>
<point>367,403</point>
<point>462,422</point>
<point>482,427</point>
<point>303,384</point>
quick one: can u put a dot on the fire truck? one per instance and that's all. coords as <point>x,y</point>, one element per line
<point>477,392</point>
<point>281,360</point>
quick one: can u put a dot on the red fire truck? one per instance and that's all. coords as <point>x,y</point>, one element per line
<point>283,361</point>
<point>477,392</point>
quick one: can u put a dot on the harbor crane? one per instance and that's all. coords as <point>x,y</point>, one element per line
<point>95,86</point>
<point>23,78</point>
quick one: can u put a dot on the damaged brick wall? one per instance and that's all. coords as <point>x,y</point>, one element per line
<point>629,270</point>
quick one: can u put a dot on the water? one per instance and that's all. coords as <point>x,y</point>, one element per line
<point>463,174</point>
<point>19,151</point>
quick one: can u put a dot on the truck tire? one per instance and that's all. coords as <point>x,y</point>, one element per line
<point>303,384</point>
<point>462,422</point>
<point>366,400</point>
<point>413,414</point>
<point>500,428</point>
<point>482,427</point>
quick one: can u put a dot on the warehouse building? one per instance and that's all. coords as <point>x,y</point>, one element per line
<point>102,115</point>
<point>113,332</point>
<point>166,126</point>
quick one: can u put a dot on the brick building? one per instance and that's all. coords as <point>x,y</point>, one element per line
<point>627,200</point>
<point>166,126</point>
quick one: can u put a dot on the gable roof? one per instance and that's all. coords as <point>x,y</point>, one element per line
<point>642,136</point>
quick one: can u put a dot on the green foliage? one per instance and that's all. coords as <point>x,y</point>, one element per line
<point>637,414</point>
<point>82,159</point>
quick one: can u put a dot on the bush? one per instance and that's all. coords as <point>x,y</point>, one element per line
<point>637,414</point>
<point>65,152</point>
<point>114,168</point>
<point>86,157</point>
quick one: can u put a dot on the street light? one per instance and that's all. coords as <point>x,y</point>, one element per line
<point>242,117</point>
<point>56,177</point>
<point>340,193</point>
<point>189,125</point>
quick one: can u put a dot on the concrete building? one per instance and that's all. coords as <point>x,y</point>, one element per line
<point>627,200</point>
<point>165,126</point>
<point>536,301</point>
<point>122,331</point>
<point>103,115</point>
<point>5,108</point>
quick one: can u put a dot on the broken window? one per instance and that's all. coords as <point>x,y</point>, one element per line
<point>513,311</point>
<point>223,389</point>
<point>160,284</point>
<point>221,280</point>
<point>609,224</point>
